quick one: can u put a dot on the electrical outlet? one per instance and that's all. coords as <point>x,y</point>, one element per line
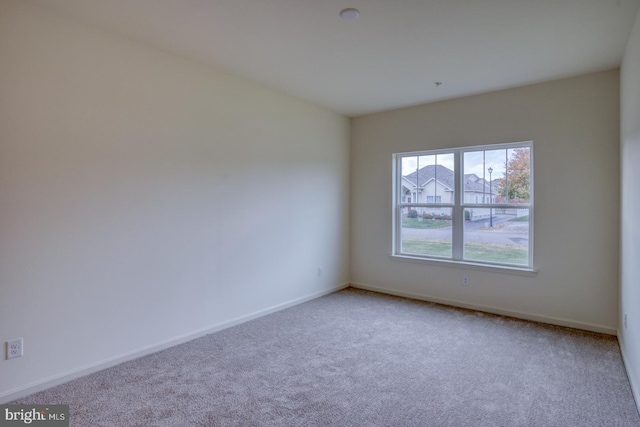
<point>320,272</point>
<point>15,348</point>
<point>465,280</point>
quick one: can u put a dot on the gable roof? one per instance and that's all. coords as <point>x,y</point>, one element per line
<point>440,173</point>
<point>444,175</point>
<point>473,182</point>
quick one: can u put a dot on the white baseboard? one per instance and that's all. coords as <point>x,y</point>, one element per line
<point>635,388</point>
<point>494,310</point>
<point>107,363</point>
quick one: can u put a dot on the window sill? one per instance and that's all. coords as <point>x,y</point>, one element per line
<point>502,269</point>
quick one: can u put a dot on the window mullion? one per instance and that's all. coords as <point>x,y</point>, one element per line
<point>457,214</point>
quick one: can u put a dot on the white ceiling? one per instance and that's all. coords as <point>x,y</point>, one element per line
<point>390,57</point>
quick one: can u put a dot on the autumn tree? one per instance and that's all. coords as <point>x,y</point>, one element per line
<point>514,186</point>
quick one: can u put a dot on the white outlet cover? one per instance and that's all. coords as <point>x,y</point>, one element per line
<point>15,348</point>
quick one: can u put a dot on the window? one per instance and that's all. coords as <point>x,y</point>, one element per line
<point>472,205</point>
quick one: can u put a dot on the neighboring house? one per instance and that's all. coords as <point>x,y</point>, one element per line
<point>435,184</point>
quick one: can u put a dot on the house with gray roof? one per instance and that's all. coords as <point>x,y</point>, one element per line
<point>435,184</point>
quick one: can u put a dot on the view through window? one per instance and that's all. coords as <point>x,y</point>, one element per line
<point>471,204</point>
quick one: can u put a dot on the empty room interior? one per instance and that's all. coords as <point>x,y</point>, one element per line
<point>174,171</point>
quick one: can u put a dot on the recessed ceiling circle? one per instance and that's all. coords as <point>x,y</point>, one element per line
<point>349,14</point>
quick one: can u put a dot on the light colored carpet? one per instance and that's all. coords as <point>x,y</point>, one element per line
<point>356,358</point>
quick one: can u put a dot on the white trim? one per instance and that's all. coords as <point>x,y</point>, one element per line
<point>457,212</point>
<point>395,208</point>
<point>425,205</point>
<point>459,205</point>
<point>635,388</point>
<point>411,184</point>
<point>482,266</point>
<point>493,310</point>
<point>437,181</point>
<point>112,361</point>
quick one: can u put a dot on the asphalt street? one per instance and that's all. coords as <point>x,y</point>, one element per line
<point>504,232</point>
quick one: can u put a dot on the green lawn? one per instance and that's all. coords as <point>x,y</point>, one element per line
<point>426,247</point>
<point>426,223</point>
<point>507,254</point>
<point>520,219</point>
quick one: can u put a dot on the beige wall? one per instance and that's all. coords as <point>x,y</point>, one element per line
<point>574,124</point>
<point>128,212</point>
<point>130,217</point>
<point>629,336</point>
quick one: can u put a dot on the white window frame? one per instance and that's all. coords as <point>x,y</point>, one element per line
<point>457,208</point>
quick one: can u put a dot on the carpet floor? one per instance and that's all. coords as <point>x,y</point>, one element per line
<point>357,358</point>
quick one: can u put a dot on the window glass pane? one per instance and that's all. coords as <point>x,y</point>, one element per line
<point>497,235</point>
<point>496,201</point>
<point>426,231</point>
<point>427,179</point>
<point>482,170</point>
<point>515,185</point>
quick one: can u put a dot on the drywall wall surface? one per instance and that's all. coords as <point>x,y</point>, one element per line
<point>144,197</point>
<point>574,126</point>
<point>629,331</point>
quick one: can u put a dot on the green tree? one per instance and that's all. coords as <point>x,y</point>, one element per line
<point>514,186</point>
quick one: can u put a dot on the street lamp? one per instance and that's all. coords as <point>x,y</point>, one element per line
<point>490,193</point>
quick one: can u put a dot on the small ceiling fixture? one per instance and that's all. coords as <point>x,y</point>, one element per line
<point>349,14</point>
